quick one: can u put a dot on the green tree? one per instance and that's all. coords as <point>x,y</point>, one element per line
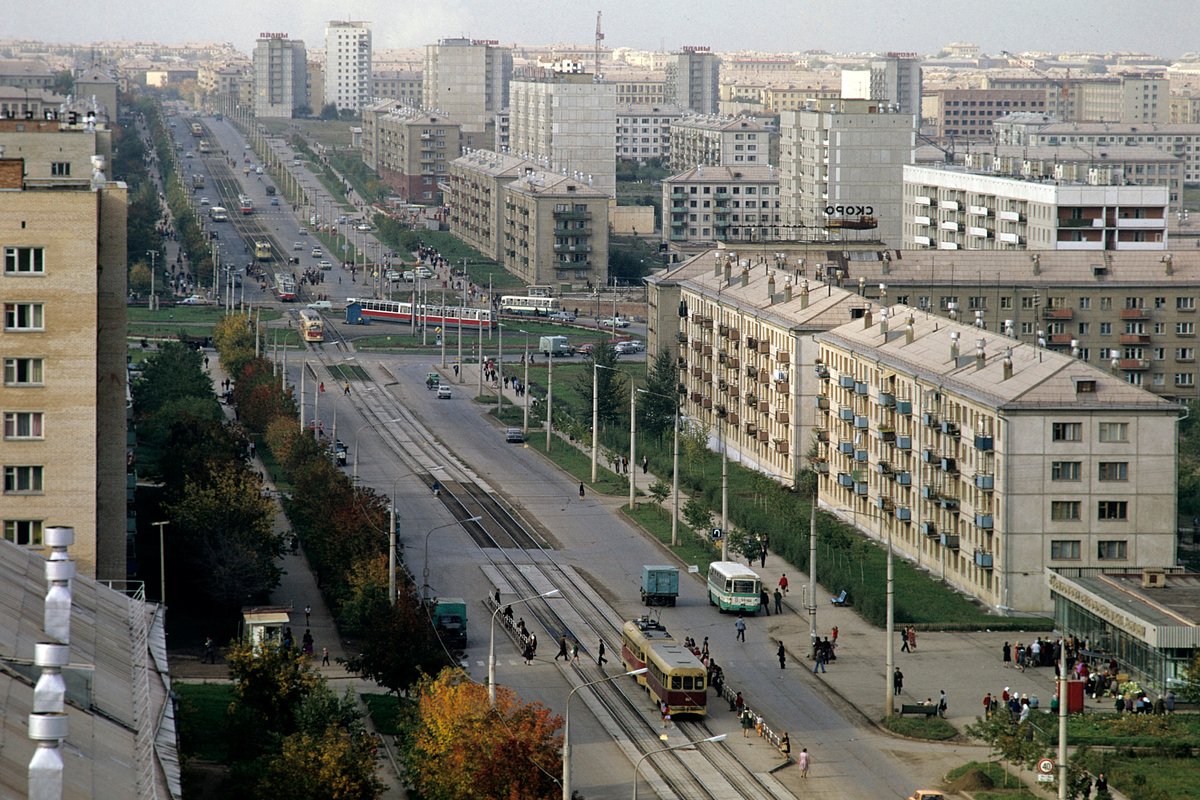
<point>660,490</point>
<point>697,514</point>
<point>1190,690</point>
<point>139,279</point>
<point>64,83</point>
<point>173,372</point>
<point>1019,744</point>
<point>611,391</point>
<point>656,407</point>
<point>330,764</point>
<point>270,683</point>
<point>329,111</point>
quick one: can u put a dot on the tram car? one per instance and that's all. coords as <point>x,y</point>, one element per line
<point>312,328</point>
<point>529,305</point>
<point>427,314</point>
<point>285,288</point>
<point>674,674</point>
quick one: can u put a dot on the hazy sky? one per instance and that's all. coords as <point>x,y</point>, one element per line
<point>1166,27</point>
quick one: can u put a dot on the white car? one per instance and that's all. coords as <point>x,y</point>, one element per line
<point>409,275</point>
<point>362,226</point>
<point>325,265</point>
<point>424,272</point>
<point>203,201</point>
<point>625,348</point>
<point>614,322</point>
<point>193,300</point>
<point>317,252</point>
<point>443,393</point>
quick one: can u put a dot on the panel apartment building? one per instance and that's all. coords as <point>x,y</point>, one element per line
<point>411,149</point>
<point>555,231</point>
<point>63,290</point>
<point>693,80</point>
<point>468,81</point>
<point>952,209</point>
<point>476,197</point>
<point>728,204</point>
<point>722,142</point>
<point>280,76</point>
<point>348,65</point>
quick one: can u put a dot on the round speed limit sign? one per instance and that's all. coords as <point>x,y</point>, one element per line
<point>1045,766</point>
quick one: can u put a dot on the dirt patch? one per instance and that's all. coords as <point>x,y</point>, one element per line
<point>972,781</point>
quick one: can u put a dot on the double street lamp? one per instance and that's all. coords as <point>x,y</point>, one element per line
<point>566,778</point>
<point>492,641</point>
<point>360,429</point>
<point>637,767</point>
<point>674,468</point>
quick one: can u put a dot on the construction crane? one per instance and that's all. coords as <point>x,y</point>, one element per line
<point>596,76</point>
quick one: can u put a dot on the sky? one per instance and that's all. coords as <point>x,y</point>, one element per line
<point>1165,27</point>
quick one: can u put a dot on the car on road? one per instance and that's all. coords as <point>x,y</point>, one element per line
<point>246,147</point>
<point>586,349</point>
<point>204,201</point>
<point>443,393</point>
<point>189,154</point>
<point>514,436</point>
<point>297,245</point>
<point>409,275</point>
<point>258,171</point>
<point>302,232</point>
<point>561,316</point>
<point>343,219</point>
<point>628,347</point>
<point>614,322</point>
<point>193,300</point>
<point>362,226</point>
<point>325,265</point>
<point>424,272</point>
<point>317,252</point>
<point>274,201</point>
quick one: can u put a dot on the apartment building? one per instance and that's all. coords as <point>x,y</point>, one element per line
<point>988,461</point>
<point>703,205</point>
<point>411,149</point>
<point>64,393</point>
<point>952,209</point>
<point>218,87</point>
<point>639,90</point>
<point>1111,165</point>
<point>96,83</point>
<point>1183,109</point>
<point>1132,98</point>
<point>555,231</point>
<point>841,168</point>
<point>567,121</point>
<point>21,73</point>
<point>896,78</point>
<point>407,86</point>
<point>969,113</point>
<point>644,131</point>
<point>1181,141</point>
<point>722,142</point>
<point>693,77</point>
<point>348,65</point>
<point>467,80</point>
<point>280,76</point>
<point>476,197</point>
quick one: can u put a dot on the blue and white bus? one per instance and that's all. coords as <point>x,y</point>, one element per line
<point>534,306</point>
<point>733,587</point>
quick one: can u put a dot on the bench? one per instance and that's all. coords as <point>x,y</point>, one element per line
<point>918,708</point>
<point>840,600</point>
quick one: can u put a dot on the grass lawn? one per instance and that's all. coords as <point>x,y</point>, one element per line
<point>578,465</point>
<point>385,713</point>
<point>691,549</point>
<point>348,372</point>
<point>987,780</point>
<point>202,719</point>
<point>1134,730</point>
<point>1148,777</point>
<point>933,728</point>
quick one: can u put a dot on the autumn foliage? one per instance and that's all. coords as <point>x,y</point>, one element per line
<point>462,748</point>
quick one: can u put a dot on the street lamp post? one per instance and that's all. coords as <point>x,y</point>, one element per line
<point>566,778</point>
<point>674,469</point>
<point>638,766</point>
<point>492,642</point>
<point>724,492</point>
<point>596,413</point>
<point>632,469</point>
<point>394,531</point>
<point>549,400</point>
<point>360,429</point>
<point>425,568</point>
<point>162,563</point>
<point>525,381</point>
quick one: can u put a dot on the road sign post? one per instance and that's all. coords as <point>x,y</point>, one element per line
<point>717,534</point>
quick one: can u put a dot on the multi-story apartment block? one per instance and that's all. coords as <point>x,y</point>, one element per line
<point>1184,109</point>
<point>219,88</point>
<point>1181,141</point>
<point>693,77</point>
<point>555,231</point>
<point>567,121</point>
<point>315,84</point>
<point>1111,165</point>
<point>95,82</point>
<point>952,209</point>
<point>777,99</point>
<point>989,461</point>
<point>407,86</point>
<point>841,166</point>
<point>896,79</point>
<point>411,149</point>
<point>280,76</point>
<point>348,64</point>
<point>969,113</point>
<point>640,90</point>
<point>644,131</point>
<point>503,132</point>
<point>63,399</point>
<point>468,81</point>
<point>722,142</point>
<point>476,197</point>
<point>26,74</point>
<point>28,103</point>
<point>1133,98</point>
<point>728,204</point>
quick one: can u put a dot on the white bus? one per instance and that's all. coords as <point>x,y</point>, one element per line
<point>733,587</point>
<point>535,306</point>
<point>218,213</point>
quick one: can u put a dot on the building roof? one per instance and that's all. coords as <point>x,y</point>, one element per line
<point>741,174</point>
<point>1026,118</point>
<point>1040,379</point>
<point>499,165</point>
<point>1121,129</point>
<point>1070,153</point>
<point>550,183</point>
<point>1163,617</point>
<point>649,110</point>
<point>721,124</point>
<point>101,750</point>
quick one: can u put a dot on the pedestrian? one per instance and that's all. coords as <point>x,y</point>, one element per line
<point>1006,654</point>
<point>575,650</point>
<point>346,391</point>
<point>527,653</point>
<point>785,746</point>
<point>778,601</point>
<point>912,638</point>
<point>782,655</point>
<point>747,723</point>
<point>600,659</point>
<point>1101,785</point>
<point>758,725</point>
<point>783,583</point>
<point>581,490</point>
<point>904,641</point>
<point>834,634</point>
<point>645,465</point>
<point>307,613</point>
<point>740,627</point>
<point>942,704</point>
<point>739,704</point>
<point>764,601</point>
<point>324,656</point>
<point>897,681</point>
<point>987,705</point>
<point>308,642</point>
<point>562,649</point>
<point>704,652</point>
<point>803,761</point>
<point>820,658</point>
<point>210,651</point>
<point>665,710</point>
<point>533,642</point>
<point>1169,702</point>
<point>762,555</point>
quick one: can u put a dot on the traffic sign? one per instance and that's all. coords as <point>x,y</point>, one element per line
<point>1045,766</point>
<point>717,533</point>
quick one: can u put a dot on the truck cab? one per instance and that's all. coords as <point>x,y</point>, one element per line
<point>450,620</point>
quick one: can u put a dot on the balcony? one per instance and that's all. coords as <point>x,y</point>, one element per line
<point>821,403</point>
<point>904,478</point>
<point>846,382</point>
<point>822,372</point>
<point>949,540</point>
<point>821,466</point>
<point>904,443</point>
<point>921,220</point>
<point>884,503</point>
<point>985,483</point>
<point>860,489</point>
<point>983,559</point>
<point>862,422</point>
<point>904,407</point>
<point>845,480</point>
<point>948,503</point>
<point>1135,338</point>
<point>861,388</point>
<point>985,443</point>
<point>846,414</point>
<point>887,399</point>
<point>929,493</point>
<point>1061,338</point>
<point>929,529</point>
<point>949,465</point>
<point>884,468</point>
<point>1135,364</point>
<point>861,456</point>
<point>929,419</point>
<point>904,514</point>
<point>1059,313</point>
<point>984,521</point>
<point>1134,313</point>
<point>950,429</point>
<point>846,448</point>
<point>572,215</point>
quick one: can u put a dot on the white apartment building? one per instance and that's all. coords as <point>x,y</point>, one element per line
<point>567,122</point>
<point>894,78</point>
<point>693,79</point>
<point>280,76</point>
<point>1132,98</point>
<point>952,209</point>
<point>1181,141</point>
<point>722,142</point>
<point>467,80</point>
<point>476,197</point>
<point>841,165</point>
<point>644,131</point>
<point>988,461</point>
<point>727,204</point>
<point>348,64</point>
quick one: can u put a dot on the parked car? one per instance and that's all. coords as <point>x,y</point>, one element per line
<point>614,322</point>
<point>362,226</point>
<point>409,275</point>
<point>628,347</point>
<point>193,300</point>
<point>424,272</point>
<point>514,436</point>
<point>561,316</point>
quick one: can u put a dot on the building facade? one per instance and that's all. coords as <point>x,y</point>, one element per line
<point>348,65</point>
<point>1132,98</point>
<point>709,204</point>
<point>952,209</point>
<point>693,79</point>
<point>280,76</point>
<point>476,197</point>
<point>639,90</point>
<point>896,79</point>
<point>411,149</point>
<point>644,132</point>
<point>403,85</point>
<point>555,231</point>
<point>969,113</point>
<point>722,142</point>
<point>467,80</point>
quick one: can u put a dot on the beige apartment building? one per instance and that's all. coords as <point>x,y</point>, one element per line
<point>951,209</point>
<point>969,113</point>
<point>467,80</point>
<point>64,395</point>
<point>476,197</point>
<point>988,461</point>
<point>728,204</point>
<point>280,82</point>
<point>555,231</point>
<point>693,75</point>
<point>411,149</point>
<point>639,90</point>
<point>1181,141</point>
<point>1132,98</point>
<point>644,131</point>
<point>722,142</point>
<point>403,85</point>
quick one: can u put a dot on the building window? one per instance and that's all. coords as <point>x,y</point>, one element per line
<point>24,261</point>
<point>1006,303</point>
<point>1114,431</point>
<point>1067,431</point>
<point>1114,471</point>
<point>1085,303</point>
<point>23,425</point>
<point>1185,328</point>
<point>1112,549</point>
<point>1185,303</point>
<point>1185,379</point>
<point>60,169</point>
<point>1112,509</point>
<point>1066,470</point>
<point>1106,329</point>
<point>1064,510</point>
<point>22,372</point>
<point>23,317</point>
<point>23,531</point>
<point>1064,549</point>
<point>22,480</point>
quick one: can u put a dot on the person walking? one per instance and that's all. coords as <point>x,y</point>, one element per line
<point>307,614</point>
<point>562,649</point>
<point>575,650</point>
<point>912,638</point>
<point>782,655</point>
<point>803,761</point>
<point>581,490</point>
<point>747,723</point>
<point>1006,655</point>
<point>764,601</point>
<point>645,464</point>
<point>740,627</point>
<point>527,653</point>
<point>600,659</point>
<point>210,651</point>
<point>904,641</point>
<point>778,601</point>
<point>820,658</point>
<point>783,583</point>
<point>833,635</point>
<point>785,746</point>
<point>897,681</point>
<point>762,554</point>
<point>324,656</point>
<point>943,704</point>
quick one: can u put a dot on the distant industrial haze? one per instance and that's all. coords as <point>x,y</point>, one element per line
<point>1158,26</point>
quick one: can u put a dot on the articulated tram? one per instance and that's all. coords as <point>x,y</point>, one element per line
<point>674,674</point>
<point>427,314</point>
